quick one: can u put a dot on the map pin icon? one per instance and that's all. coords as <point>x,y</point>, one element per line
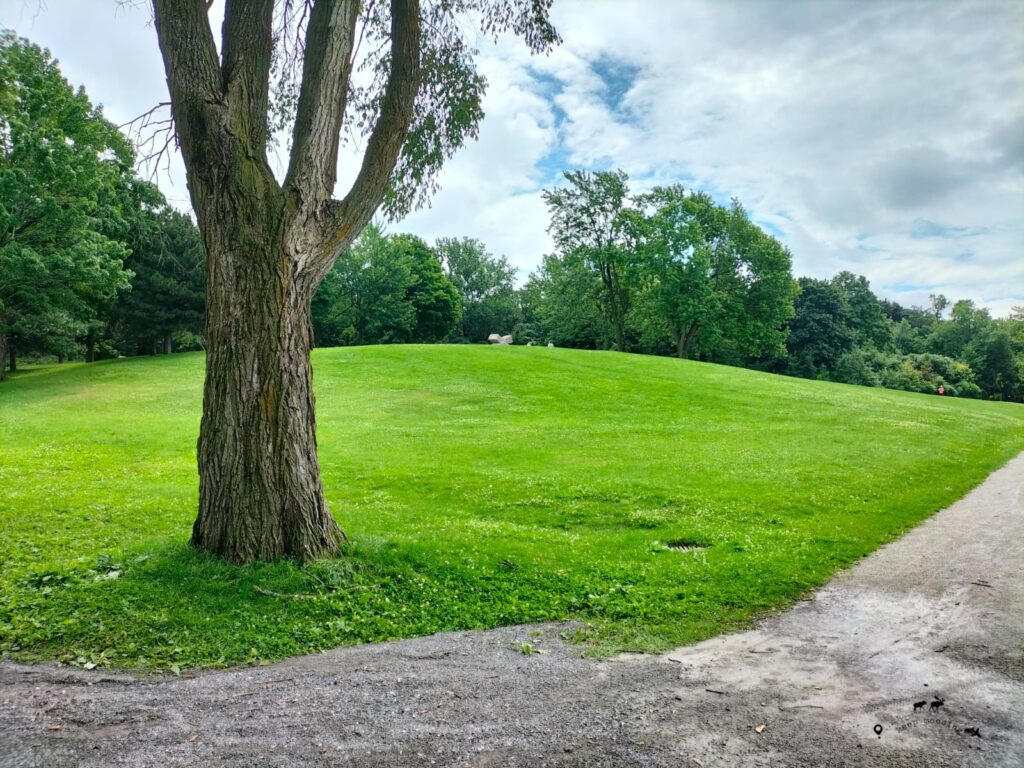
<point>878,730</point>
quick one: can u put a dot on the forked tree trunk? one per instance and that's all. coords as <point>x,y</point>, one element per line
<point>260,493</point>
<point>268,245</point>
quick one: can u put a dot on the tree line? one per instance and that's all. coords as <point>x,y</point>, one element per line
<point>94,263</point>
<point>671,272</point>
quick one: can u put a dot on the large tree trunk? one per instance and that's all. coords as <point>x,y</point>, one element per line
<point>3,356</point>
<point>168,344</point>
<point>260,493</point>
<point>12,353</point>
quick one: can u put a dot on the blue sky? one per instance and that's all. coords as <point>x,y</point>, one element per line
<point>882,138</point>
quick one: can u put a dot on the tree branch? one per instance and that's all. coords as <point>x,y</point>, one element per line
<point>384,146</point>
<point>153,137</point>
<point>313,168</point>
<point>193,74</point>
<point>245,73</point>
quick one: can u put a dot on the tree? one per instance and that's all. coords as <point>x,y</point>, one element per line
<point>715,279</point>
<point>269,243</point>
<point>869,323</point>
<point>364,298</point>
<point>166,296</point>
<point>677,263</point>
<point>387,290</point>
<point>434,298</point>
<point>485,284</point>
<point>820,332</point>
<point>966,323</point>
<point>564,301</point>
<point>64,172</point>
<point>991,355</point>
<point>588,223</point>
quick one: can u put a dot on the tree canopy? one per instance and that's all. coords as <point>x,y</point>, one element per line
<point>669,266</point>
<point>387,289</point>
<point>486,287</point>
<point>66,174</point>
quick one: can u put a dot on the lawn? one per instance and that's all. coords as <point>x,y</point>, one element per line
<point>657,501</point>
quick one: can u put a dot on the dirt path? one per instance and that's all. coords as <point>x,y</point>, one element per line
<point>939,613</point>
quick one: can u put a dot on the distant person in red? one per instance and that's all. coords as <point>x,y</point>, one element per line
<point>942,390</point>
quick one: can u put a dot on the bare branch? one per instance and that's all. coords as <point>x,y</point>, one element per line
<point>145,118</point>
<point>154,139</point>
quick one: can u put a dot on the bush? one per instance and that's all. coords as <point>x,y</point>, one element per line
<point>853,368</point>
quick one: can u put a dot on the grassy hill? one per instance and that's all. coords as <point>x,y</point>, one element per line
<point>656,500</point>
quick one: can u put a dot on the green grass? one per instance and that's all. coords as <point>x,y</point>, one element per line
<point>479,487</point>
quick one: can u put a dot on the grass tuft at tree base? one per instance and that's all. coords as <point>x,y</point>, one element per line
<point>658,501</point>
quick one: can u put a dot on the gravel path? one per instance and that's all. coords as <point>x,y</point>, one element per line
<point>936,616</point>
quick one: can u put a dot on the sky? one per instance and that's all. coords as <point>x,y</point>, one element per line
<point>883,138</point>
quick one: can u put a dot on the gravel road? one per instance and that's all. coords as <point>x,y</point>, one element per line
<point>935,617</point>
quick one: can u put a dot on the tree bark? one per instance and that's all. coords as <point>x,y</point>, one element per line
<point>90,346</point>
<point>3,356</point>
<point>168,344</point>
<point>12,353</point>
<point>260,493</point>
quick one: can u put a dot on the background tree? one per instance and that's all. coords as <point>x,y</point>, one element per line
<point>166,296</point>
<point>966,323</point>
<point>717,281</point>
<point>819,333</point>
<point>64,172</point>
<point>364,298</point>
<point>677,265</point>
<point>486,286</point>
<point>269,243</point>
<point>434,298</point>
<point>991,355</point>
<point>1014,327</point>
<point>865,313</point>
<point>388,289</point>
<point>565,299</point>
<point>588,224</point>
